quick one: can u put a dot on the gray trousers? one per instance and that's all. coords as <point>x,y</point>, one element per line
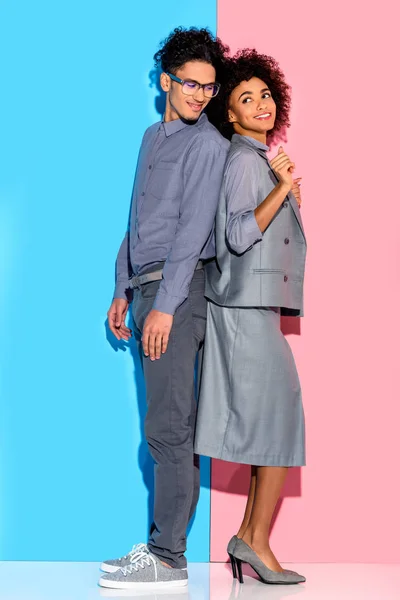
<point>170,419</point>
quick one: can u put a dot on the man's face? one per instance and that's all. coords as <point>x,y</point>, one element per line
<point>183,106</point>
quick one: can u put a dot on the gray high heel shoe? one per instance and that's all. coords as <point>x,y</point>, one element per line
<point>243,553</point>
<point>230,549</point>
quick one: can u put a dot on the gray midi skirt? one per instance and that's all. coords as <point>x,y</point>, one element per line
<point>250,408</point>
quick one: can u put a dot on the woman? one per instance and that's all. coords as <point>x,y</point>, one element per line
<point>250,406</point>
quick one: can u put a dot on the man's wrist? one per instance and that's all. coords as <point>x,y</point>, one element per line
<point>121,290</point>
<point>167,304</point>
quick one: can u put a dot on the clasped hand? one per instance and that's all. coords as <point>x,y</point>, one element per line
<point>284,168</point>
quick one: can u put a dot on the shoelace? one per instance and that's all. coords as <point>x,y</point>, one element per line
<point>140,560</point>
<point>135,549</point>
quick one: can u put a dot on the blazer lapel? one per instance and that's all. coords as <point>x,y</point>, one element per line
<point>296,210</point>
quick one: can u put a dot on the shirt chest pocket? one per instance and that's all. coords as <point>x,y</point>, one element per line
<point>165,180</point>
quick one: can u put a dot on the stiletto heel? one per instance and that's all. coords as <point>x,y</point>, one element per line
<point>233,565</point>
<point>239,569</point>
<point>243,553</point>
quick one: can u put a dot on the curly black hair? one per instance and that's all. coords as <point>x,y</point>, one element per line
<point>184,45</point>
<point>248,63</point>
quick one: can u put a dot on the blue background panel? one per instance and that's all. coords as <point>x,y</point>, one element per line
<point>78,91</point>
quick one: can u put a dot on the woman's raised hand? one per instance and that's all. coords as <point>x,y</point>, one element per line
<point>283,167</point>
<point>296,190</point>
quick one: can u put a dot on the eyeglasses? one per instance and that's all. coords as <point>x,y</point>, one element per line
<point>189,87</point>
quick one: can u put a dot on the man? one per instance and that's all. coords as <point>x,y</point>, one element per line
<point>174,202</point>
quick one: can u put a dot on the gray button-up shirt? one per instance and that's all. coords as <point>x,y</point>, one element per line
<point>174,200</point>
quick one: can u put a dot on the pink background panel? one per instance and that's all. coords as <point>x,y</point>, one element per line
<point>341,59</point>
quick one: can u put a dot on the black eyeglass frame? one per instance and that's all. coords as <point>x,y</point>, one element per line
<point>216,85</point>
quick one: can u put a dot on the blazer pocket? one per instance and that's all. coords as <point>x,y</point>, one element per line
<point>273,271</point>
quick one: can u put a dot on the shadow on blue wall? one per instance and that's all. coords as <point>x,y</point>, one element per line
<point>159,101</point>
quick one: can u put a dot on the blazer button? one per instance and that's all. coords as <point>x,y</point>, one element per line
<point>286,240</point>
<point>285,278</point>
<point>285,204</point>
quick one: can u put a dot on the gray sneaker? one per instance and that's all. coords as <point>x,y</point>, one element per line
<point>111,566</point>
<point>145,572</point>
<point>182,593</point>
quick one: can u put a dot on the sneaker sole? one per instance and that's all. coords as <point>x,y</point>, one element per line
<point>108,568</point>
<point>151,585</point>
<point>169,593</point>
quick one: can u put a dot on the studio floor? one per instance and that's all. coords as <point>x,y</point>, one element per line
<point>78,581</point>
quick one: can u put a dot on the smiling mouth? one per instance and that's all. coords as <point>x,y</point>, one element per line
<point>195,106</point>
<point>263,117</point>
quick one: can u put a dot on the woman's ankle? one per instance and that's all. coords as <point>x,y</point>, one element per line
<point>257,540</point>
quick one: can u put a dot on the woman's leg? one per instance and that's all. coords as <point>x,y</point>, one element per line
<point>249,505</point>
<point>269,483</point>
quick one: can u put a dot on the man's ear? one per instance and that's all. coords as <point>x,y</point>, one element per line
<point>165,82</point>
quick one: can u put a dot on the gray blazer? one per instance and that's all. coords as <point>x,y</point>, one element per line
<point>255,269</point>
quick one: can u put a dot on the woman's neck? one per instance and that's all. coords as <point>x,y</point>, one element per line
<point>256,135</point>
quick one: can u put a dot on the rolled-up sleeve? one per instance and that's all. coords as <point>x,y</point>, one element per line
<point>241,192</point>
<point>202,178</point>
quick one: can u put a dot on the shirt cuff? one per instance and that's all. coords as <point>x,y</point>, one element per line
<point>167,304</point>
<point>122,290</point>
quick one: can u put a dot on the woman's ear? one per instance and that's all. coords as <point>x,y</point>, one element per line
<point>231,117</point>
<point>165,82</point>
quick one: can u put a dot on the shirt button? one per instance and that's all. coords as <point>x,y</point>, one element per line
<point>286,240</point>
<point>285,204</point>
<point>150,166</point>
<point>142,194</point>
<point>285,278</point>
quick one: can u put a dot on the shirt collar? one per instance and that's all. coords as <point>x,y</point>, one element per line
<point>236,138</point>
<point>174,126</point>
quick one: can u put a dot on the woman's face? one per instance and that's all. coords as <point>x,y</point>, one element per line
<point>252,109</point>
